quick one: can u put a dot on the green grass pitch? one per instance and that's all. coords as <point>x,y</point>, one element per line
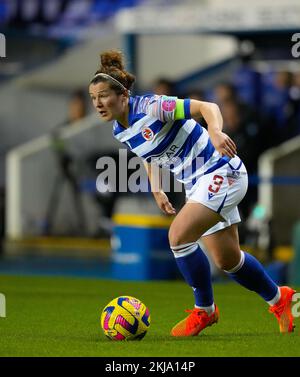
<point>51,316</point>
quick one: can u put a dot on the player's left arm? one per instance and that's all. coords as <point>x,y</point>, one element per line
<point>213,117</point>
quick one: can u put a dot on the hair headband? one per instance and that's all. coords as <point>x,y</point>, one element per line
<point>112,79</point>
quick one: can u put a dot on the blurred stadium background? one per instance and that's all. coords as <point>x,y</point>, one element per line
<point>53,220</point>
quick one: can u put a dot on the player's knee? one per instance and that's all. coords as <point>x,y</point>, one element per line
<point>223,264</point>
<point>227,262</point>
<point>176,238</point>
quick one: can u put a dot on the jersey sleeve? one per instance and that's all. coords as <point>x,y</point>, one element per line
<point>166,108</point>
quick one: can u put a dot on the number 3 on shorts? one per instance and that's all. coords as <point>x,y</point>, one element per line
<point>217,182</point>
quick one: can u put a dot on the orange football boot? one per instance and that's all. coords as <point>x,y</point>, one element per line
<point>282,310</point>
<point>197,321</point>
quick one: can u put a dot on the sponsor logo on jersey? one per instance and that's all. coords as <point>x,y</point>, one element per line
<point>210,195</point>
<point>147,134</point>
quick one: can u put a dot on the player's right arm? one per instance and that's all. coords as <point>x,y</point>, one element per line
<point>166,108</point>
<point>154,175</point>
<point>213,117</point>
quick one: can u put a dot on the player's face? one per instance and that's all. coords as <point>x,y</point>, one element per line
<point>108,104</point>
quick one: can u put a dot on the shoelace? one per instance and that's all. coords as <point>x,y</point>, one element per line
<point>277,310</point>
<point>195,317</point>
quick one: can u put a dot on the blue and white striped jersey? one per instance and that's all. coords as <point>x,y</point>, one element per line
<point>163,133</point>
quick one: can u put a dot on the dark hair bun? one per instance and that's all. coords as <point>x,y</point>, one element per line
<point>111,59</point>
<point>112,64</point>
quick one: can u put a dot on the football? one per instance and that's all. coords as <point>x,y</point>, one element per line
<point>125,318</point>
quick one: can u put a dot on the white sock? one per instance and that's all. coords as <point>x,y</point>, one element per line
<point>209,309</point>
<point>275,299</point>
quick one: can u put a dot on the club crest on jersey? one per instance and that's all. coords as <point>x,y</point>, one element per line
<point>147,134</point>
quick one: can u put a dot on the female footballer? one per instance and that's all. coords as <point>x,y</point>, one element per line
<point>163,131</point>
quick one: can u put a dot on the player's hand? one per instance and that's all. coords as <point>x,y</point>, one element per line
<point>163,203</point>
<point>223,144</point>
